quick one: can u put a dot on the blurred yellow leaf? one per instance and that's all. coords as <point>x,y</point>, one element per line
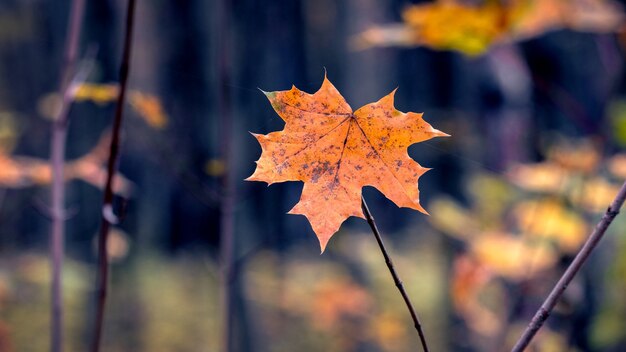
<point>473,29</point>
<point>549,219</point>
<point>97,93</point>
<point>596,195</point>
<point>443,25</point>
<point>617,115</point>
<point>388,330</point>
<point>454,26</point>
<point>214,167</point>
<point>8,132</point>
<point>149,108</point>
<point>449,217</point>
<point>577,156</point>
<point>541,177</point>
<point>617,166</point>
<point>512,256</point>
<point>492,196</point>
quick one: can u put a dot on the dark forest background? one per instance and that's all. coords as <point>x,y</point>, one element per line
<point>501,108</point>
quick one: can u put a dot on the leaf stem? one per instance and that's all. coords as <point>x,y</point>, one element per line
<point>548,305</point>
<point>392,270</point>
<point>107,203</point>
<point>57,162</point>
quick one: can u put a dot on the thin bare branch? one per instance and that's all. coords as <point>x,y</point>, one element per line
<point>57,163</point>
<point>107,203</point>
<point>548,305</point>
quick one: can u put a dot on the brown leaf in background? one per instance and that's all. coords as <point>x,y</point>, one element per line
<point>149,108</point>
<point>20,172</point>
<point>473,29</point>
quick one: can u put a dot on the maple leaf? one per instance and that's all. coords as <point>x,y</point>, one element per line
<point>336,152</point>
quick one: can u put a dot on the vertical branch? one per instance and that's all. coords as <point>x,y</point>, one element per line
<point>107,204</point>
<point>392,270</point>
<point>57,162</point>
<point>548,305</point>
<point>228,192</point>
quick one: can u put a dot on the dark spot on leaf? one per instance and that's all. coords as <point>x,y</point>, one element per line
<point>315,174</point>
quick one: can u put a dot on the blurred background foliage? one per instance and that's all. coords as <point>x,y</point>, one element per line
<point>532,92</point>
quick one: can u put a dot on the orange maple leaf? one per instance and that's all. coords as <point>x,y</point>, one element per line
<point>336,152</point>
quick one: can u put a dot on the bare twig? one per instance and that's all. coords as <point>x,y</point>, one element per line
<point>227,204</point>
<point>392,270</point>
<point>548,305</point>
<point>103,262</point>
<point>57,161</point>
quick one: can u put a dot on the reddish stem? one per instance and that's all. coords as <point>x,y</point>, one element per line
<point>107,203</point>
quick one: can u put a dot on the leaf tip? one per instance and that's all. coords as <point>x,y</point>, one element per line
<point>438,133</point>
<point>323,244</point>
<point>254,176</point>
<point>269,95</point>
<point>326,81</point>
<point>417,206</point>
